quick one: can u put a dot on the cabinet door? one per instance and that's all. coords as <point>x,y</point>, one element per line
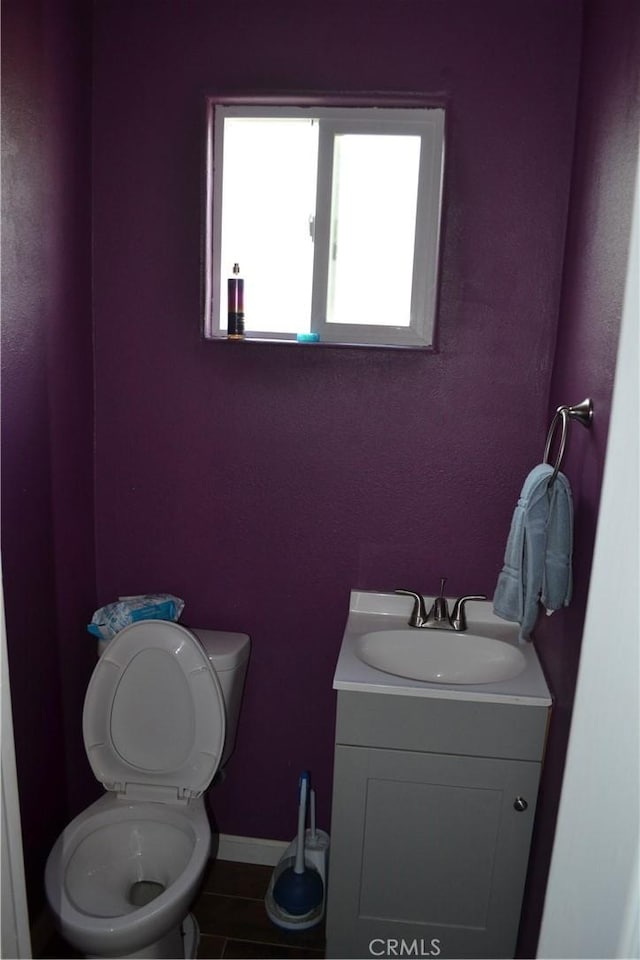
<point>428,853</point>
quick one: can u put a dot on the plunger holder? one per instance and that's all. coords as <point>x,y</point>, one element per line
<point>316,856</point>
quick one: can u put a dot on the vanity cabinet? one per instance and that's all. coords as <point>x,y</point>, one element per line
<point>433,808</point>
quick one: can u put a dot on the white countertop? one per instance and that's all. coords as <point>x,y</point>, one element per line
<point>370,611</point>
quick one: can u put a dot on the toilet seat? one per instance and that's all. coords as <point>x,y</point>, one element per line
<point>154,715</point>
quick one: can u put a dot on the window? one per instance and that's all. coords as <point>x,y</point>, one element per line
<point>332,213</point>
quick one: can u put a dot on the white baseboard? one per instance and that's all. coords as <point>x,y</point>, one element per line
<point>250,849</point>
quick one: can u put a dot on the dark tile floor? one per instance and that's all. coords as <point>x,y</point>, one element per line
<point>233,921</point>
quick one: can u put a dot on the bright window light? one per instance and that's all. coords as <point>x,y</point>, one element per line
<point>373,223</point>
<point>268,206</point>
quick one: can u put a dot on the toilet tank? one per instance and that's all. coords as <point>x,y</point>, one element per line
<point>229,654</point>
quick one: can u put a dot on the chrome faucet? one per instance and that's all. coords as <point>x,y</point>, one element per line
<point>438,616</point>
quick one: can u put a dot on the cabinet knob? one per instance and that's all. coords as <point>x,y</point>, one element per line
<point>520,804</point>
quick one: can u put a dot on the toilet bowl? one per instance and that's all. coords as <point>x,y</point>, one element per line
<point>113,857</point>
<point>158,720</point>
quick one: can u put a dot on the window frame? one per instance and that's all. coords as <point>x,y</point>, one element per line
<point>355,116</point>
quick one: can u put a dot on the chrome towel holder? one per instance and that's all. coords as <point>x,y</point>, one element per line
<point>583,413</point>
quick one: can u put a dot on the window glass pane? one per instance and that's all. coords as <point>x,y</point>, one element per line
<point>268,204</point>
<point>373,219</point>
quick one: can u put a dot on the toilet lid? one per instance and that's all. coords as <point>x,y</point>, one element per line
<point>154,715</point>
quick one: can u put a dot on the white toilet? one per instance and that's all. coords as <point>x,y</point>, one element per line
<point>159,719</point>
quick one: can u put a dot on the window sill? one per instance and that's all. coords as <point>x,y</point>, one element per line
<point>323,344</point>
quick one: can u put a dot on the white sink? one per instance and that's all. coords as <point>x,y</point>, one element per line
<point>440,656</point>
<point>382,654</point>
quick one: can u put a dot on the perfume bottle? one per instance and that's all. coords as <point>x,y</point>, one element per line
<point>235,305</point>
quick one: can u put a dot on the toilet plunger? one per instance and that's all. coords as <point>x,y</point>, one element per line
<point>299,889</point>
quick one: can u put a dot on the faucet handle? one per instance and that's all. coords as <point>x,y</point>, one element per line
<point>458,614</point>
<point>440,608</point>
<point>419,612</point>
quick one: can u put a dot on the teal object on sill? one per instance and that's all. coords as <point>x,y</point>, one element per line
<point>307,337</point>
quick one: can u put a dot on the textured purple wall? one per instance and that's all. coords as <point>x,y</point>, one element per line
<point>47,407</point>
<point>262,483</point>
<point>591,307</point>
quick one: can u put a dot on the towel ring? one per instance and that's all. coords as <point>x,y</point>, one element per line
<point>583,413</point>
<point>562,413</point>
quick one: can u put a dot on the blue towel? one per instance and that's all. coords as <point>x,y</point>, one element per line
<point>537,559</point>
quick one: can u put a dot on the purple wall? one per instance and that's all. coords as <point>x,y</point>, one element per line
<point>591,307</point>
<point>47,407</point>
<point>262,483</point>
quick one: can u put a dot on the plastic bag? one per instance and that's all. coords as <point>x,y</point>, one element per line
<point>109,620</point>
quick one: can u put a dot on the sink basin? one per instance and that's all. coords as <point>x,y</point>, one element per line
<point>381,654</point>
<point>440,656</point>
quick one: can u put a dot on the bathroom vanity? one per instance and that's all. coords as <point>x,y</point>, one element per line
<point>435,786</point>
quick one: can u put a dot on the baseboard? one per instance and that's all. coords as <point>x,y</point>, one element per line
<point>250,849</point>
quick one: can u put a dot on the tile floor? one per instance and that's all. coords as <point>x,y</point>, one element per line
<point>233,921</point>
